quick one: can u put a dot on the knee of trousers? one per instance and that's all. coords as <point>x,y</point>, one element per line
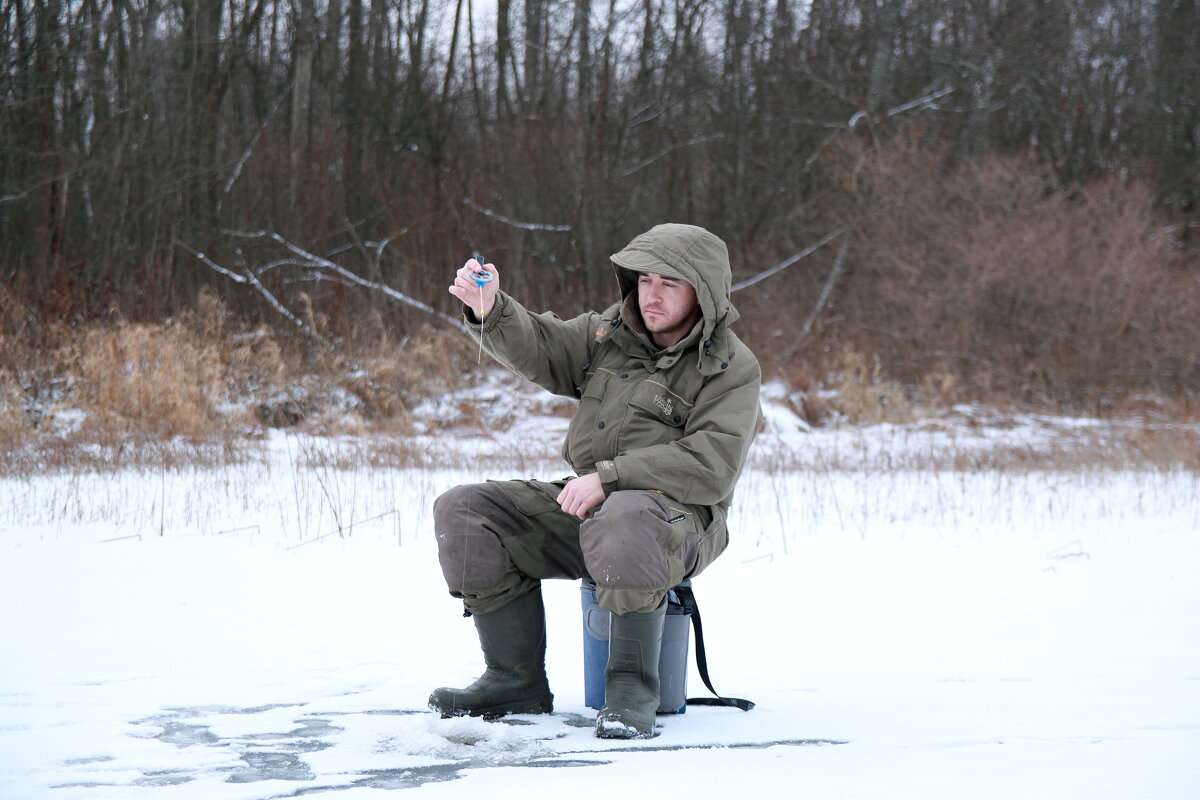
<point>472,558</point>
<point>630,547</point>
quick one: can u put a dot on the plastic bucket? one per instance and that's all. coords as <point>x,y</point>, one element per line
<point>672,660</point>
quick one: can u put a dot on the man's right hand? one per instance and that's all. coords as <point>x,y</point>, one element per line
<point>581,495</point>
<point>480,299</point>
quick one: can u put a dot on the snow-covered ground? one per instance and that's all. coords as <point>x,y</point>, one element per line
<point>905,633</point>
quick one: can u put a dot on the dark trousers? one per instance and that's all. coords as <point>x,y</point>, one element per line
<point>498,540</point>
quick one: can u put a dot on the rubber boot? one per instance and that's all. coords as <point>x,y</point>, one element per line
<point>631,677</point>
<point>513,639</point>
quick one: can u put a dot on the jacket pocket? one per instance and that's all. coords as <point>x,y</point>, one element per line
<point>712,543</point>
<point>580,446</point>
<point>531,497</point>
<point>655,415</point>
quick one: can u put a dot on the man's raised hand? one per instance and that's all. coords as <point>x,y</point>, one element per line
<point>480,299</point>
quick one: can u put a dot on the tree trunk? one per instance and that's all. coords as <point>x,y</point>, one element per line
<point>353,109</point>
<point>885,32</point>
<point>302,67</point>
<point>45,177</point>
<point>202,27</point>
<point>503,54</point>
<point>535,53</point>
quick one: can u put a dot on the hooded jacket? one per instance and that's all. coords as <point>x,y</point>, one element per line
<point>677,420</point>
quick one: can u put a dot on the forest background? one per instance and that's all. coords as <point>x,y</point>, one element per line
<point>220,215</point>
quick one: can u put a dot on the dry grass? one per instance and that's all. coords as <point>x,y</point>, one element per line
<point>200,391</point>
<point>14,430</point>
<point>864,395</point>
<point>391,376</point>
<point>945,445</point>
<point>202,388</point>
<point>159,379</point>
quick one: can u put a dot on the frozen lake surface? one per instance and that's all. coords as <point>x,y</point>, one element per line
<point>904,632</point>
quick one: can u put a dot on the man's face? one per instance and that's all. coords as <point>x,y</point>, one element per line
<point>669,308</point>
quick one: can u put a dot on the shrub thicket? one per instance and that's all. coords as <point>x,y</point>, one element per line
<point>986,280</point>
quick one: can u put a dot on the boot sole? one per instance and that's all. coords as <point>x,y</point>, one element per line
<point>626,734</point>
<point>613,728</point>
<point>498,710</point>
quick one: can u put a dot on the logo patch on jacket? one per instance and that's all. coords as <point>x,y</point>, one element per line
<point>665,404</point>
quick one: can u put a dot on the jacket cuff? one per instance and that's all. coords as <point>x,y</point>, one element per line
<point>607,470</point>
<point>470,315</point>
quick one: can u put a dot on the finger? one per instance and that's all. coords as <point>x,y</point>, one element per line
<point>474,267</point>
<point>465,280</point>
<point>575,505</point>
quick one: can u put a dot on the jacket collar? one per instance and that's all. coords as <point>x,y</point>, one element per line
<point>625,327</point>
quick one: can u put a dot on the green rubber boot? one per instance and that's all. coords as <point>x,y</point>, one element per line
<point>513,639</point>
<point>631,676</point>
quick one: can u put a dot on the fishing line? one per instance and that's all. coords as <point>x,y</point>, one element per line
<point>481,277</point>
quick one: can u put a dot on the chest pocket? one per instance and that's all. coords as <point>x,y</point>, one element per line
<point>580,448</point>
<point>655,415</point>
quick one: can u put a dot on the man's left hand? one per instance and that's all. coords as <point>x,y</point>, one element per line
<point>581,495</point>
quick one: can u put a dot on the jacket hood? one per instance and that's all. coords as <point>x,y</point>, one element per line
<point>690,253</point>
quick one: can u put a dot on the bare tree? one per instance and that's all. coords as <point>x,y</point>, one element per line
<point>127,126</point>
<point>303,52</point>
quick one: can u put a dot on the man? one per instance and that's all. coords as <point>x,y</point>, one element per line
<point>668,406</point>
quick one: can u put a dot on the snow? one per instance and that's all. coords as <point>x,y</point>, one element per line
<point>905,632</point>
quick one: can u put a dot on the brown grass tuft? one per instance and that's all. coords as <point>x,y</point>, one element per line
<point>161,379</point>
<point>118,392</point>
<point>390,377</point>
<point>14,427</point>
<point>864,394</point>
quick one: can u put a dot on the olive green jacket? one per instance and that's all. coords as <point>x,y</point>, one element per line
<point>678,420</point>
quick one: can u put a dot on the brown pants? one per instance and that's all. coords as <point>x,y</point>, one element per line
<point>498,540</point>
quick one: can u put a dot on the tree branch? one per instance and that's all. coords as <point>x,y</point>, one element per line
<point>248,277</point>
<point>208,262</point>
<point>787,262</point>
<point>839,267</point>
<point>708,137</point>
<point>528,226</point>
<point>314,262</point>
<point>262,128</point>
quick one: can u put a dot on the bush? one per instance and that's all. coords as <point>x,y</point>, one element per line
<point>1011,288</point>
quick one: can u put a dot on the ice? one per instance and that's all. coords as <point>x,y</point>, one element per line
<point>267,630</point>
